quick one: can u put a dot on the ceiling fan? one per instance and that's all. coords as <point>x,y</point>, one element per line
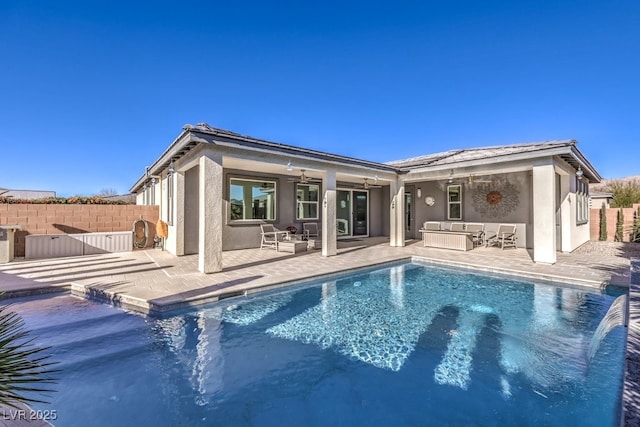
<point>303,178</point>
<point>474,180</point>
<point>367,186</point>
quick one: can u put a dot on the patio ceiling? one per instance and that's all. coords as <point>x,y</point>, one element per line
<point>312,171</point>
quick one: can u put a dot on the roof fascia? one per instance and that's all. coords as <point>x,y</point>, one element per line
<point>587,167</point>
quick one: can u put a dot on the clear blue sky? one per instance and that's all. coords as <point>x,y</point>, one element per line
<point>93,91</point>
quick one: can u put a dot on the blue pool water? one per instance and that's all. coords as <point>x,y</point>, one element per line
<point>405,345</point>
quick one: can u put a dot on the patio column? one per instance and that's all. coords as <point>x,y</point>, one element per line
<point>329,229</point>
<point>566,200</point>
<point>396,213</point>
<point>178,181</point>
<point>544,212</point>
<point>210,213</point>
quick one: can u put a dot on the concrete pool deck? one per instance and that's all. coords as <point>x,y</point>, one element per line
<point>156,281</point>
<point>153,281</point>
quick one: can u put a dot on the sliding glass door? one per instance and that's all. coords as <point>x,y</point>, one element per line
<point>352,213</point>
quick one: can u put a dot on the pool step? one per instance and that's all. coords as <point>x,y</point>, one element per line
<point>96,346</point>
<point>455,367</point>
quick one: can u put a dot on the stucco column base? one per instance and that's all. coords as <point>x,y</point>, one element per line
<point>544,213</point>
<point>210,213</point>
<point>329,227</point>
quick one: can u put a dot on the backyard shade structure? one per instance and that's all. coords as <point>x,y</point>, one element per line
<point>216,187</point>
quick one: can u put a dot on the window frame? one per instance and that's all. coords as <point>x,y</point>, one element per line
<point>451,203</point>
<point>582,201</point>
<point>231,180</point>
<point>307,202</point>
<point>170,196</point>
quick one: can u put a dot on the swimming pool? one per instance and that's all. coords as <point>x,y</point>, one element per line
<point>405,345</point>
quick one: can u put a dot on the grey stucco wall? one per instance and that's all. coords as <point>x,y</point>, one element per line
<point>522,214</point>
<point>247,234</point>
<point>191,208</point>
<point>376,212</point>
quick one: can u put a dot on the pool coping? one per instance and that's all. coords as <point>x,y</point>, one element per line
<point>178,301</point>
<point>631,388</point>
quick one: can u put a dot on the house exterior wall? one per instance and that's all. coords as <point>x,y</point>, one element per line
<point>522,213</point>
<point>246,234</point>
<point>545,218</point>
<point>191,210</point>
<point>28,194</point>
<point>377,210</point>
<point>580,233</point>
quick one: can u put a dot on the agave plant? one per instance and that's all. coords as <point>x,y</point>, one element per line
<point>24,369</point>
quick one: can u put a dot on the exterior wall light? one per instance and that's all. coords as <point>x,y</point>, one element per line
<point>579,172</point>
<point>419,192</point>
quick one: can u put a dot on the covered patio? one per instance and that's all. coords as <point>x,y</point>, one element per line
<point>215,188</point>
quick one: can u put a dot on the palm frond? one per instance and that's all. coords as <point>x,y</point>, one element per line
<point>25,369</point>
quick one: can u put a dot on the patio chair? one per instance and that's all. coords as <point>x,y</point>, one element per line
<point>310,231</point>
<point>477,233</point>
<point>270,236</point>
<point>457,226</point>
<point>505,236</point>
<point>342,226</point>
<point>431,226</point>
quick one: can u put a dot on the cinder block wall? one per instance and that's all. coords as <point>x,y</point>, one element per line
<point>69,219</point>
<point>612,218</point>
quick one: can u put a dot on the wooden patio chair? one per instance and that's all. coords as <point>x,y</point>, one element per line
<point>270,236</point>
<point>457,226</point>
<point>310,231</point>
<point>505,237</point>
<point>477,233</point>
<point>431,226</point>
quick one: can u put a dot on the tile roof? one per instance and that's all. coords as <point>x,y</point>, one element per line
<point>482,153</point>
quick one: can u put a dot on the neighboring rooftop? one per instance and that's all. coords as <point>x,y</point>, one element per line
<point>26,194</point>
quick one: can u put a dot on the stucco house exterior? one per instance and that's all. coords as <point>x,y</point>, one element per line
<point>215,187</point>
<point>26,194</point>
<point>598,198</point>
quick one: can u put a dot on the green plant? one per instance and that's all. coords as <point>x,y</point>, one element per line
<point>636,227</point>
<point>23,367</point>
<point>75,200</point>
<point>625,194</point>
<point>619,226</point>
<point>603,223</point>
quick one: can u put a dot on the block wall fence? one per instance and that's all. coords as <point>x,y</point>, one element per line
<point>70,219</point>
<point>612,218</point>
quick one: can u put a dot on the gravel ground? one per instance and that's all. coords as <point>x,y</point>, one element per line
<point>617,249</point>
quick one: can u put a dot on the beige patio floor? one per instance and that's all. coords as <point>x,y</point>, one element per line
<point>153,280</point>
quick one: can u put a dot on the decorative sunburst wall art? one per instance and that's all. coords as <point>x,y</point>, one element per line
<point>495,199</point>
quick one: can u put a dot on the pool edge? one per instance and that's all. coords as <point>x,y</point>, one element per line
<point>631,387</point>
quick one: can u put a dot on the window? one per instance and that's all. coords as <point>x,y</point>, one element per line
<point>307,197</point>
<point>454,202</point>
<point>152,192</point>
<point>582,201</point>
<point>170,199</point>
<point>252,199</point>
